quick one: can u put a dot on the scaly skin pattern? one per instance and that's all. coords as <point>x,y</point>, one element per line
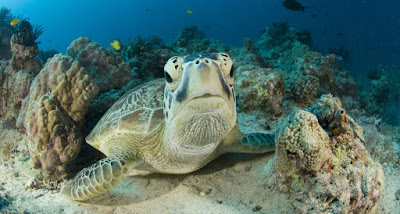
<point>172,125</point>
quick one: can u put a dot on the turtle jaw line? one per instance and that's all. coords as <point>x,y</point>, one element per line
<point>206,103</point>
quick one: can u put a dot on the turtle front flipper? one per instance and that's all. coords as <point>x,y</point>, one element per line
<point>257,143</point>
<point>100,177</point>
<point>248,143</point>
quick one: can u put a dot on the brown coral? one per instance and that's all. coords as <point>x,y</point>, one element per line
<point>62,91</point>
<point>55,139</point>
<point>105,68</point>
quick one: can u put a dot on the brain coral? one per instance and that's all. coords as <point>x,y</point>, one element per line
<point>53,113</point>
<point>326,173</point>
<point>105,68</point>
<point>303,142</point>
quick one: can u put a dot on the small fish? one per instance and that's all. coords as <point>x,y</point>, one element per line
<point>142,47</point>
<point>147,10</point>
<point>14,22</point>
<point>115,44</point>
<point>293,5</point>
<point>189,11</point>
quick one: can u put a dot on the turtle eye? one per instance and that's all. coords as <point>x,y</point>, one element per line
<point>231,72</point>
<point>173,69</point>
<point>168,77</point>
<point>226,63</point>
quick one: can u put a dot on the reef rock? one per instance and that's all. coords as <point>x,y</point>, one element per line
<point>53,113</point>
<point>105,68</point>
<point>324,170</point>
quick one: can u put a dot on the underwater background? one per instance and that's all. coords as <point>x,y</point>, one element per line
<point>367,29</point>
<point>363,32</point>
<point>327,71</point>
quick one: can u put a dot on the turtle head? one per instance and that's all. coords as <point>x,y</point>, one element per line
<point>199,99</point>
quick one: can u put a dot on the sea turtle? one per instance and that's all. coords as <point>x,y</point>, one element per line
<point>173,125</point>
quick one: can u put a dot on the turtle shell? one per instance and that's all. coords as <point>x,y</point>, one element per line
<point>136,114</point>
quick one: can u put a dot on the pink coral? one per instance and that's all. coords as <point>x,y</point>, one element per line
<point>105,67</point>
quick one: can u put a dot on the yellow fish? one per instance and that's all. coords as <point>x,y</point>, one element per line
<point>115,44</point>
<point>189,11</point>
<point>14,22</point>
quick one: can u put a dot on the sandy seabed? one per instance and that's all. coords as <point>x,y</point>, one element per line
<point>233,183</point>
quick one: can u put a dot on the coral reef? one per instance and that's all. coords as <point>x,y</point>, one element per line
<point>15,87</point>
<point>304,36</point>
<point>191,40</point>
<point>381,94</point>
<point>24,48</point>
<point>6,31</point>
<point>259,89</point>
<point>310,73</point>
<point>17,73</point>
<point>146,57</point>
<point>43,56</point>
<point>378,95</point>
<point>318,75</point>
<point>342,52</point>
<point>381,139</point>
<point>321,160</point>
<point>105,68</point>
<point>53,113</point>
<point>303,87</point>
<point>326,171</point>
<point>277,35</point>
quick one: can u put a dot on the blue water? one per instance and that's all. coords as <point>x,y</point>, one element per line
<point>368,29</point>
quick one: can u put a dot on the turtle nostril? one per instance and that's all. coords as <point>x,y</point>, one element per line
<point>197,61</point>
<point>206,60</point>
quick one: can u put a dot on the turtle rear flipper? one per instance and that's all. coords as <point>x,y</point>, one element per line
<point>100,177</point>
